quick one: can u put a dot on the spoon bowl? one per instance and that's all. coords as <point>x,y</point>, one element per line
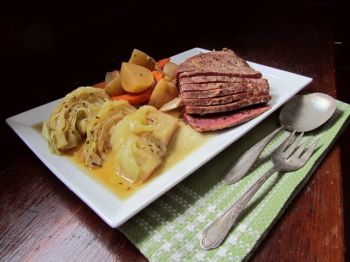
<point>304,113</point>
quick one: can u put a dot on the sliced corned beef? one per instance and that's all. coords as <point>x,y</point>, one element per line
<point>217,122</point>
<point>217,87</point>
<point>245,72</point>
<point>203,110</point>
<point>217,100</point>
<point>224,89</point>
<point>218,79</point>
<point>257,85</point>
<point>218,59</point>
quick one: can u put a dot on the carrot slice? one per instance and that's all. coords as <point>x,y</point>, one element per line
<point>100,85</point>
<point>157,76</point>
<point>135,99</point>
<point>161,63</point>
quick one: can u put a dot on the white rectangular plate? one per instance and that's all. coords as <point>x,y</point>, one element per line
<point>113,210</point>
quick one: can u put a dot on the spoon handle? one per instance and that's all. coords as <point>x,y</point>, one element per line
<point>240,168</point>
<point>217,231</point>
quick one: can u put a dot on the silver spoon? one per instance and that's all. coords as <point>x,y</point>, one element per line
<point>302,113</point>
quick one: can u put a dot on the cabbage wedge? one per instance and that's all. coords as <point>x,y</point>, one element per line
<point>66,126</point>
<point>99,130</point>
<point>139,143</point>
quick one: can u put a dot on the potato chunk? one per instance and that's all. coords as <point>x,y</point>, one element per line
<point>142,59</point>
<point>164,92</point>
<point>140,141</point>
<point>135,78</point>
<point>113,85</point>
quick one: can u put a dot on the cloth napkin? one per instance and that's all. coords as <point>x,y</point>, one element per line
<point>169,228</point>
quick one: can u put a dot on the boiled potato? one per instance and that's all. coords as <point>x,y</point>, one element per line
<point>135,78</point>
<point>113,84</point>
<point>170,70</point>
<point>142,59</point>
<point>163,93</point>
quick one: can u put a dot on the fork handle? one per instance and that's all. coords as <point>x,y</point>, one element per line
<point>216,232</point>
<point>241,167</point>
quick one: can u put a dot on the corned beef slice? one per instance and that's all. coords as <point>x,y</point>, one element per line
<point>202,110</point>
<point>235,71</point>
<point>218,79</point>
<point>217,100</point>
<point>258,85</point>
<point>224,90</point>
<point>214,122</point>
<point>218,59</point>
<point>224,63</point>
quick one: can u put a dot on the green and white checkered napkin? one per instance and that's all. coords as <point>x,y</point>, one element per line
<point>169,229</point>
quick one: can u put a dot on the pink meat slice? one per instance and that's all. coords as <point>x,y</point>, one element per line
<point>219,79</point>
<point>224,89</point>
<point>244,72</point>
<point>262,84</point>
<point>203,110</point>
<point>225,59</point>
<point>214,122</point>
<point>211,93</point>
<point>221,63</point>
<point>216,100</point>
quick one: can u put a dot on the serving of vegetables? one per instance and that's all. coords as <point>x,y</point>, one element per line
<point>142,80</point>
<point>120,116</point>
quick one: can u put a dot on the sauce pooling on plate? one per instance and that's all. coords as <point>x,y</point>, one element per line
<point>183,143</point>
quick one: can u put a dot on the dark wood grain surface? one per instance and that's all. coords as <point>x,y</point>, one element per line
<point>41,220</point>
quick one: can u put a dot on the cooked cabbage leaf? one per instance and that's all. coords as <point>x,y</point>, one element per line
<point>99,130</point>
<point>66,126</point>
<point>139,143</point>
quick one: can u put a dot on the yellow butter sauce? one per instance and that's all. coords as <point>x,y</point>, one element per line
<point>106,175</point>
<point>184,141</point>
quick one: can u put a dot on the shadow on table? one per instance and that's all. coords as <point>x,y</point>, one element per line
<point>343,83</point>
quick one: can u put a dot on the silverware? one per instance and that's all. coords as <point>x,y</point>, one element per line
<point>302,113</point>
<point>289,156</point>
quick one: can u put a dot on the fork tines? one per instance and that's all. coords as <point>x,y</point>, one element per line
<point>292,146</point>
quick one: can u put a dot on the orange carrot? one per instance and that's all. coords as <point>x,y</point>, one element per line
<point>100,85</point>
<point>135,99</point>
<point>157,76</point>
<point>161,63</point>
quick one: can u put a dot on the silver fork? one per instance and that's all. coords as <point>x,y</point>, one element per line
<point>289,156</point>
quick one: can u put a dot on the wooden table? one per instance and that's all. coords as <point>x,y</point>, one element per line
<point>41,220</point>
